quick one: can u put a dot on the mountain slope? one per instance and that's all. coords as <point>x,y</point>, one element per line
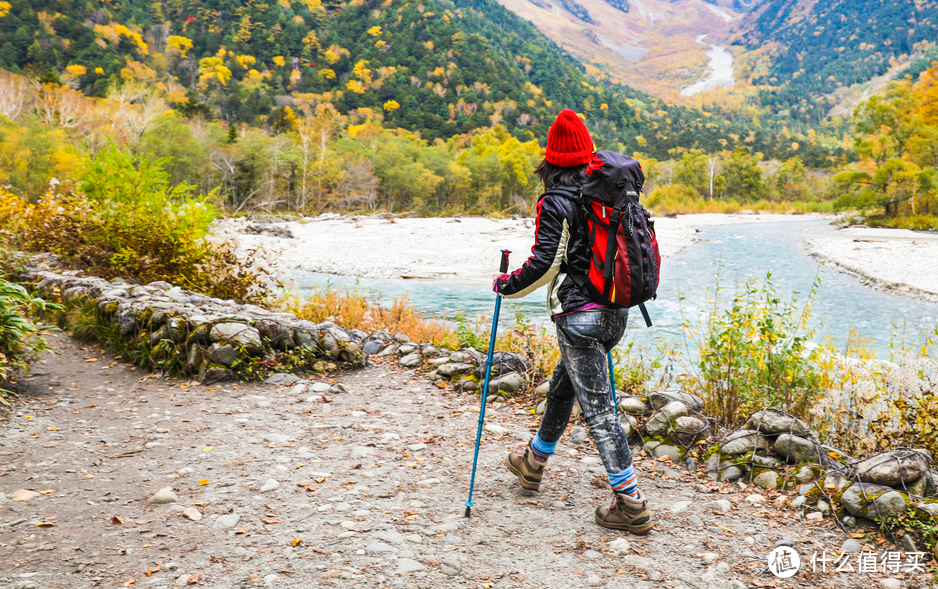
<point>806,50</point>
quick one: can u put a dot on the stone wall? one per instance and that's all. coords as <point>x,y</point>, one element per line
<point>207,338</point>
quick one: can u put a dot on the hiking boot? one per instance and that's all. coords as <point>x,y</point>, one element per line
<point>625,513</point>
<point>529,471</point>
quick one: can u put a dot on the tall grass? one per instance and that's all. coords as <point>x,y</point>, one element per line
<point>679,200</point>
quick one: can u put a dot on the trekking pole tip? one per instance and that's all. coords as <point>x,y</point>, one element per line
<point>468,510</point>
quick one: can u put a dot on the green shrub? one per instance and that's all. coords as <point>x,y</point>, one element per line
<point>127,221</point>
<point>20,338</point>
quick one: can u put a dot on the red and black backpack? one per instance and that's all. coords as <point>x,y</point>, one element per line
<point>625,259</point>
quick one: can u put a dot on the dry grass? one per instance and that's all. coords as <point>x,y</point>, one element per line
<point>355,310</point>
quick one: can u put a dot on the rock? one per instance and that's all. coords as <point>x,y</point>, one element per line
<point>380,548</point>
<point>907,543</point>
<point>211,372</point>
<point>721,505</point>
<point>873,501</point>
<point>237,334</point>
<point>687,430</point>
<point>743,441</point>
<point>796,449</point>
<point>659,399</point>
<point>666,450</point>
<point>798,501</point>
<point>659,424</point>
<point>541,390</point>
<point>579,435</point>
<point>633,405</point>
<point>164,495</point>
<point>890,583</point>
<point>373,347</point>
<point>510,383</point>
<point>931,508</point>
<point>592,554</point>
<point>193,514</point>
<point>807,474</point>
<point>894,468</point>
<point>390,536</point>
<point>619,546</point>
<point>225,522</point>
<point>851,545</point>
<point>541,407</point>
<point>767,480</point>
<point>849,521</point>
<point>276,438</point>
<point>408,565</point>
<point>755,498</point>
<point>450,568</point>
<point>772,421</point>
<point>454,369</point>
<point>26,495</point>
<point>732,472</point>
<point>680,506</point>
<point>407,349</point>
<point>814,516</point>
<point>411,360</point>
<point>495,429</point>
<point>391,350</point>
<point>270,485</point>
<point>737,584</point>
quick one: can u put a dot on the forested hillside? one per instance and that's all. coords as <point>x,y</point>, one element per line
<point>435,67</point>
<point>808,50</point>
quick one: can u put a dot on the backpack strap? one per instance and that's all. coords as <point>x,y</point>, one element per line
<point>609,267</point>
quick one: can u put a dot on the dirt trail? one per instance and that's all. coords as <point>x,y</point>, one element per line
<point>372,483</point>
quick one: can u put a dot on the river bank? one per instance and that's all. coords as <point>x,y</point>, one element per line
<point>892,260</point>
<point>455,250</point>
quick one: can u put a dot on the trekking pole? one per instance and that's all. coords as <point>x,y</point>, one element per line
<point>612,380</point>
<point>485,388</point>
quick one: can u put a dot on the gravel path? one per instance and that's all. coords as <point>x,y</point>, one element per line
<point>291,487</point>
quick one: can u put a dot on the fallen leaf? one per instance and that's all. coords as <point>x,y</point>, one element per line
<point>193,579</point>
<point>185,420</point>
<point>130,583</point>
<point>117,520</point>
<point>46,491</point>
<point>296,541</point>
<point>142,522</point>
<point>664,459</point>
<point>46,525</point>
<point>153,570</point>
<point>89,476</point>
<point>52,429</point>
<point>270,521</point>
<point>240,531</point>
<point>208,448</point>
<point>24,495</point>
<point>320,479</point>
<point>27,417</point>
<point>858,535</point>
<point>95,360</point>
<point>203,482</point>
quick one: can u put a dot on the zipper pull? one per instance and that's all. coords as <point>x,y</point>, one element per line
<point>604,210</point>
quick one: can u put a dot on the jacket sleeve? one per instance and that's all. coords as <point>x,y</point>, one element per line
<point>550,249</point>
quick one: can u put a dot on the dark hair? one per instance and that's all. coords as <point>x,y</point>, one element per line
<point>552,175</point>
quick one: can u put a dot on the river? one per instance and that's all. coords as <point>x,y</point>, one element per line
<point>688,279</point>
<point>721,70</point>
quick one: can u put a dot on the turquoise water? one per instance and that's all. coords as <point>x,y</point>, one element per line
<point>736,252</point>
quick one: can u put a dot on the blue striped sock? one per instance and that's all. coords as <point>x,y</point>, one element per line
<point>625,481</point>
<point>542,450</point>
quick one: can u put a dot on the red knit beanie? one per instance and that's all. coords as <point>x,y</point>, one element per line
<point>568,142</point>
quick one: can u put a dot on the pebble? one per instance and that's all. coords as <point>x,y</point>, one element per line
<point>709,556</point>
<point>559,505</point>
<point>619,546</point>
<point>755,498</point>
<point>270,578</point>
<point>320,387</point>
<point>851,545</point>
<point>890,583</point>
<point>680,506</point>
<point>408,565</point>
<point>593,580</point>
<point>416,447</point>
<point>443,528</point>
<point>736,584</point>
<point>788,543</point>
<point>578,435</point>
<point>193,514</point>
<point>721,505</point>
<point>276,438</point>
<point>695,521</point>
<point>270,485</point>
<point>450,568</point>
<point>495,429</point>
<point>345,535</point>
<point>814,516</point>
<point>391,537</point>
<point>592,554</point>
<point>298,390</point>
<point>798,501</point>
<point>164,495</point>
<point>225,522</point>
<point>427,482</point>
<point>380,548</point>
<point>413,538</point>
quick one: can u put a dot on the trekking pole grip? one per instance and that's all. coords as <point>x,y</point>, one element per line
<point>503,268</point>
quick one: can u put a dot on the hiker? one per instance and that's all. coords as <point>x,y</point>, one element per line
<point>586,328</point>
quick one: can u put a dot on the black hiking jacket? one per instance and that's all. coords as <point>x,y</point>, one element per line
<point>561,250</point>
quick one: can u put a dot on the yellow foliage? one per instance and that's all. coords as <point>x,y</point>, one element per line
<point>279,61</point>
<point>213,68</point>
<point>391,105</point>
<point>99,71</point>
<point>5,8</point>
<point>76,71</point>
<point>429,45</point>
<point>179,44</point>
<point>137,72</point>
<point>327,73</point>
<point>356,86</point>
<point>375,31</point>
<point>246,61</point>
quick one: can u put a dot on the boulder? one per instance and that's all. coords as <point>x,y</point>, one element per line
<point>510,383</point>
<point>687,430</point>
<point>770,422</point>
<point>796,449</point>
<point>894,468</point>
<point>541,390</point>
<point>659,399</point>
<point>391,350</point>
<point>373,347</point>
<point>411,360</point>
<point>742,441</point>
<point>659,424</point>
<point>237,334</point>
<point>767,480</point>
<point>662,450</point>
<point>467,356</point>
<point>634,405</point>
<point>454,368</point>
<point>223,354</point>
<point>278,334</point>
<point>194,358</point>
<point>211,372</point>
<point>873,501</point>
